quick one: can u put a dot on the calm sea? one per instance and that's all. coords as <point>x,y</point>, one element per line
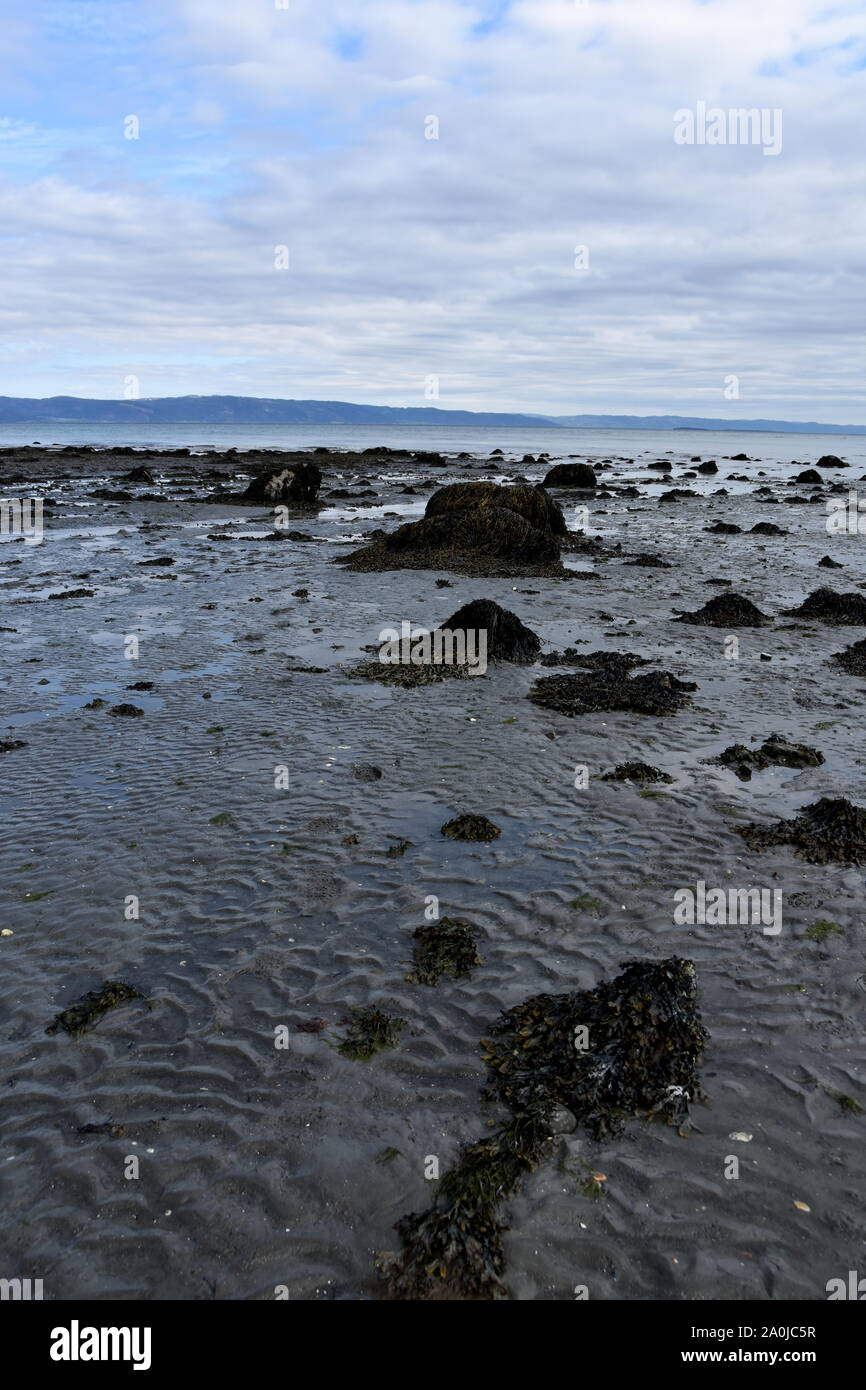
<point>595,443</point>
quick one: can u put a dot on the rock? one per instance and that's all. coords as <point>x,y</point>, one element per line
<point>296,483</point>
<point>579,475</point>
<point>9,745</point>
<point>829,831</point>
<point>740,458</point>
<point>508,639</point>
<point>725,610</point>
<point>475,528</point>
<point>138,475</point>
<point>366,772</point>
<point>126,711</point>
<point>767,528</point>
<point>661,465</point>
<point>831,461</point>
<point>809,475</point>
<point>724,528</point>
<point>709,467</point>
<point>836,610</point>
<point>470,827</point>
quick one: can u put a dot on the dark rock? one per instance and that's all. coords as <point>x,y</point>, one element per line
<point>831,461</point>
<point>808,475</point>
<point>724,528</point>
<point>508,639</point>
<point>767,528</point>
<point>366,772</point>
<point>579,475</point>
<point>126,711</point>
<point>295,483</point>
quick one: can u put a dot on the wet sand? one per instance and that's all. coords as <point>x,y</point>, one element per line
<point>263,1167</point>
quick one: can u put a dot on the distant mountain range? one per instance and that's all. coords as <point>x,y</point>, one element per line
<point>257,410</point>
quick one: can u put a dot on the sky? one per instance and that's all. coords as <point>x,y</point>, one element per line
<point>472,204</point>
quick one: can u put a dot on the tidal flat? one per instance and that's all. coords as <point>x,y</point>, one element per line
<point>245,860</point>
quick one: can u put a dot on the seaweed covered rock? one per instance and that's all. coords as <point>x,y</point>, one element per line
<point>775,751</point>
<point>532,503</point>
<point>724,528</point>
<point>830,831</point>
<point>852,659</point>
<point>508,639</point>
<point>767,528</point>
<point>629,1047</point>
<point>725,610</point>
<point>444,949</point>
<point>580,475</point>
<point>836,610</point>
<point>139,474</point>
<point>471,827</point>
<point>636,772</point>
<point>295,483</point>
<point>611,688</point>
<point>475,528</point>
<point>81,1015</point>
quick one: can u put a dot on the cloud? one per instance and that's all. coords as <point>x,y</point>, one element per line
<point>456,256</point>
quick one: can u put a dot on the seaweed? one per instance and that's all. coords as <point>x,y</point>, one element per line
<point>644,1040</point>
<point>836,610</point>
<point>774,751</point>
<point>829,831</point>
<point>471,827</point>
<point>78,1017</point>
<point>636,772</point>
<point>370,1031</point>
<point>126,711</point>
<point>445,948</point>
<point>852,659</point>
<point>610,688</point>
<point>725,610</point>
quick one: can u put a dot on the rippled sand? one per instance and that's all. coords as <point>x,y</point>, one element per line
<point>262,1167</point>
